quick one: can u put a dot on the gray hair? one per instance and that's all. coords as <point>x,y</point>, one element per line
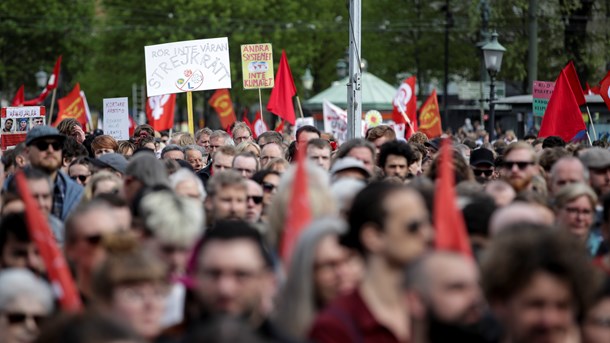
<point>184,174</point>
<point>171,147</point>
<point>297,303</point>
<point>221,133</point>
<point>196,148</point>
<point>171,218</point>
<point>16,282</point>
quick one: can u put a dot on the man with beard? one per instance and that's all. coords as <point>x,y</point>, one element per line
<point>538,282</point>
<point>519,166</point>
<point>227,197</point>
<point>44,145</point>
<point>444,299</point>
<point>389,226</point>
<point>234,277</point>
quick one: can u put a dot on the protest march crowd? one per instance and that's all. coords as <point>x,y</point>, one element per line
<point>220,237</point>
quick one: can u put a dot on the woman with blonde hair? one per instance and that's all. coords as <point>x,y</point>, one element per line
<point>574,207</point>
<point>248,146</point>
<point>102,182</point>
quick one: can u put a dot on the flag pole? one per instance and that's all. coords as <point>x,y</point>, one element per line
<point>260,101</point>
<point>52,105</point>
<point>591,121</point>
<point>299,106</point>
<point>189,110</point>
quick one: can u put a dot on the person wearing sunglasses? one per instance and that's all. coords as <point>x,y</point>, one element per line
<point>482,164</point>
<point>389,227</point>
<point>44,146</point>
<point>519,166</point>
<point>255,202</point>
<point>25,302</point>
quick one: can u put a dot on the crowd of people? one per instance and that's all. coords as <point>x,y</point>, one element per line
<point>176,238</point>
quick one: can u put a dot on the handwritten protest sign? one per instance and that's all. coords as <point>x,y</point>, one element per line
<point>542,91</point>
<point>116,118</point>
<point>17,121</point>
<point>257,65</point>
<point>187,66</point>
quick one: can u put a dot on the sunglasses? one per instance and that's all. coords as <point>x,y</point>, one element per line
<point>520,165</point>
<point>19,318</point>
<point>479,172</point>
<point>268,187</point>
<point>82,178</point>
<point>257,199</point>
<point>44,145</point>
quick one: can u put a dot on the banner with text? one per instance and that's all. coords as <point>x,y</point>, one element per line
<point>116,118</point>
<point>257,65</point>
<point>541,95</point>
<point>17,121</point>
<point>187,66</point>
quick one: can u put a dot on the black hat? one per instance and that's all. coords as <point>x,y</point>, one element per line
<point>482,156</point>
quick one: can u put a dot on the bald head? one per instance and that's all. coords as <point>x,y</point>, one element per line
<point>519,212</point>
<point>565,171</point>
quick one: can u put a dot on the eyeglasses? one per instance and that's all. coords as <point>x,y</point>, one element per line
<point>82,178</point>
<point>15,318</point>
<point>257,199</point>
<point>520,164</point>
<point>268,187</point>
<point>44,145</point>
<point>486,172</point>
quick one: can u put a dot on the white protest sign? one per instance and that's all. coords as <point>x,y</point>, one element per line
<point>116,118</point>
<point>187,66</point>
<point>335,121</point>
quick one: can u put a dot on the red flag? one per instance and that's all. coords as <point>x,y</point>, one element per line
<point>298,214</point>
<point>160,111</point>
<point>572,77</point>
<point>280,127</point>
<point>604,89</point>
<point>405,105</point>
<point>57,268</point>
<point>53,80</point>
<point>449,223</point>
<point>430,117</point>
<point>72,106</point>
<point>562,117</point>
<point>19,98</point>
<point>259,126</point>
<point>221,102</point>
<point>280,101</point>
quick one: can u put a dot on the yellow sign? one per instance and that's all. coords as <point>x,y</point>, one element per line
<point>257,65</point>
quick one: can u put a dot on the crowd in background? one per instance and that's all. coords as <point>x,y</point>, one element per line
<point>176,238</point>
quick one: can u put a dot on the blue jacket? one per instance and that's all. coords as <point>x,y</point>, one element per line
<point>74,193</point>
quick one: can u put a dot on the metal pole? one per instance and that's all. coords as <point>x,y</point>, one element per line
<point>354,89</point>
<point>492,110</point>
<point>446,66</point>
<point>532,55</point>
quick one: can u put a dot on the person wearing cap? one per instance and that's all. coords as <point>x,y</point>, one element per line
<point>143,171</point>
<point>482,164</point>
<point>44,146</point>
<point>597,160</point>
<point>349,167</point>
<point>115,163</point>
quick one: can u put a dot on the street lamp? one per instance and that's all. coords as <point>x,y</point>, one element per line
<point>307,80</point>
<point>493,52</point>
<point>41,78</point>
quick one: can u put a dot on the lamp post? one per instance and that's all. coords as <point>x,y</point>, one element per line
<point>41,78</point>
<point>307,80</point>
<point>493,52</point>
